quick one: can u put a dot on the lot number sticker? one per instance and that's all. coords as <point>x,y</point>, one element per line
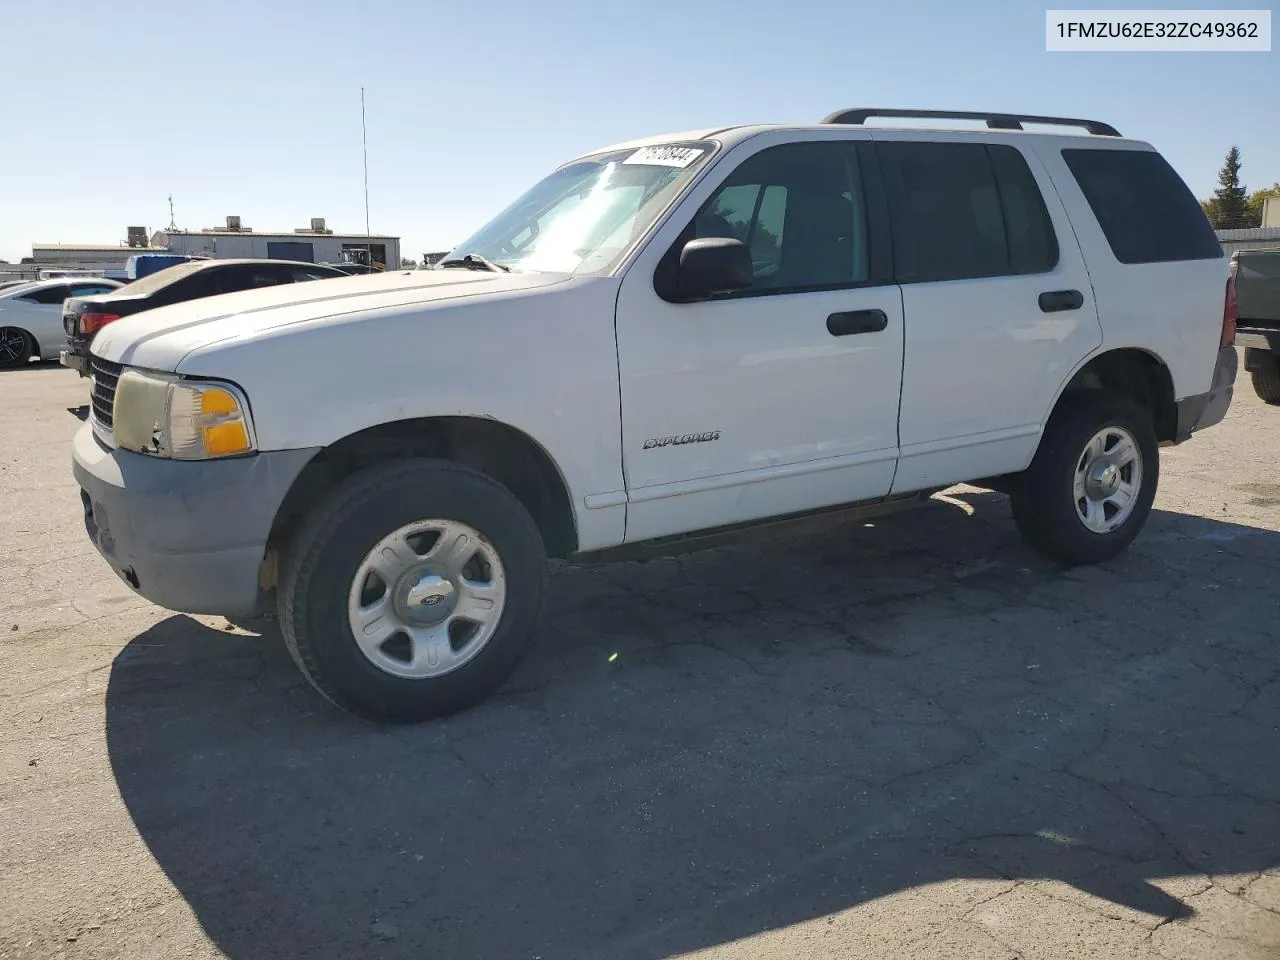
<point>665,156</point>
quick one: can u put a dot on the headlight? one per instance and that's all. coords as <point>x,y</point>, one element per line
<point>183,419</point>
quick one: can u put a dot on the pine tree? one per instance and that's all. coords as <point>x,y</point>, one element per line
<point>1230,200</point>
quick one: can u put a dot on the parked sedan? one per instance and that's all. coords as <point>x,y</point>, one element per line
<point>31,315</point>
<point>83,317</point>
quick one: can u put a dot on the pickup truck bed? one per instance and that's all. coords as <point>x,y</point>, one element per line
<point>1257,274</point>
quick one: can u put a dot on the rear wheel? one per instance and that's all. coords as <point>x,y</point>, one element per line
<point>1090,487</point>
<point>412,590</point>
<point>1266,378</point>
<point>16,347</point>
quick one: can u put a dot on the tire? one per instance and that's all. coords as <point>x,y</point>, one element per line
<point>317,588</point>
<point>1045,505</point>
<point>16,347</point>
<point>1266,379</point>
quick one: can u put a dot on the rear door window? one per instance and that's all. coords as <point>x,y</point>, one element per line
<point>1146,211</point>
<point>964,211</point>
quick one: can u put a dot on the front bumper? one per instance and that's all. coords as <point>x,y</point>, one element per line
<point>1206,409</point>
<point>187,535</point>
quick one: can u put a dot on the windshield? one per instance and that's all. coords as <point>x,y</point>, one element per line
<point>584,217</point>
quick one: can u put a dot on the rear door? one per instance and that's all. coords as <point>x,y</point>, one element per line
<point>997,301</point>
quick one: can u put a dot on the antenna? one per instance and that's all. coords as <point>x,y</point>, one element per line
<point>172,225</point>
<point>364,142</point>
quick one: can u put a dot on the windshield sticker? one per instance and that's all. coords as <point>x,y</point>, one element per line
<point>665,156</point>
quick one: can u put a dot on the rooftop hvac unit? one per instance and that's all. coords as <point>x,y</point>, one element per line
<point>317,225</point>
<point>233,223</point>
<point>137,236</point>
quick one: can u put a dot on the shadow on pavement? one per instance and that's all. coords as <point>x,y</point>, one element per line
<point>786,732</point>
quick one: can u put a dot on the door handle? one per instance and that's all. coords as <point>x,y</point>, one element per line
<point>1053,301</point>
<point>857,321</point>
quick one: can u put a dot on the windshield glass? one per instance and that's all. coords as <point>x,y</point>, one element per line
<point>584,217</point>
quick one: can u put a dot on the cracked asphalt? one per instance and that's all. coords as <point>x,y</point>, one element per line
<point>905,739</point>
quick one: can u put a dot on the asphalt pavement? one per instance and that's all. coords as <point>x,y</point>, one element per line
<point>905,738</point>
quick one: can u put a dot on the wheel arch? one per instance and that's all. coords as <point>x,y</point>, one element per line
<point>1133,372</point>
<point>502,452</point>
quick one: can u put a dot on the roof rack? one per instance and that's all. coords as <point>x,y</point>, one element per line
<point>995,121</point>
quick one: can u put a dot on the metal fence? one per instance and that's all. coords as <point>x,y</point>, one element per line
<point>1252,238</point>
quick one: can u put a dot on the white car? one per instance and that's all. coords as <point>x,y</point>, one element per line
<point>663,341</point>
<point>31,316</point>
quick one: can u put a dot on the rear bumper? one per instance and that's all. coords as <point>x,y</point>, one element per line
<point>75,361</point>
<point>1207,409</point>
<point>1253,338</point>
<point>187,535</point>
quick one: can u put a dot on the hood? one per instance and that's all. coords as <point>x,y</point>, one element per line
<point>159,339</point>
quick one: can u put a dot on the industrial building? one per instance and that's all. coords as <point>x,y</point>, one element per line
<point>314,244</point>
<point>85,256</point>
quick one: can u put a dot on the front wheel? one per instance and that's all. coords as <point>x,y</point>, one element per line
<point>1090,487</point>
<point>412,590</point>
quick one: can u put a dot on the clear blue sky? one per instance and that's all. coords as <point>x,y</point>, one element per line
<point>254,108</point>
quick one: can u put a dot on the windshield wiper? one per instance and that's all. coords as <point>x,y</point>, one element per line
<point>473,261</point>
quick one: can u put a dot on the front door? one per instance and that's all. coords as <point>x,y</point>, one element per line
<point>781,398</point>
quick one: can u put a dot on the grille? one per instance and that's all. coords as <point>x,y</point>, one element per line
<point>105,376</point>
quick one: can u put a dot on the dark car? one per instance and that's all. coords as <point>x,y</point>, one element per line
<point>83,317</point>
<point>1257,274</point>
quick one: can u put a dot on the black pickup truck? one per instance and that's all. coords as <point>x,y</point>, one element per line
<point>1257,274</point>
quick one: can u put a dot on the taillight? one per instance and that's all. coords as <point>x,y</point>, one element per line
<point>1230,312</point>
<point>91,322</point>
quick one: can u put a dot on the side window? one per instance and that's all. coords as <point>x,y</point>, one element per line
<point>203,283</point>
<point>265,276</point>
<point>246,276</point>
<point>48,294</point>
<point>799,209</point>
<point>301,275</point>
<point>1033,245</point>
<point>755,215</point>
<point>1146,211</point>
<point>966,210</point>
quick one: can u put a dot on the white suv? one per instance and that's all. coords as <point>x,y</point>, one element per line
<point>662,339</point>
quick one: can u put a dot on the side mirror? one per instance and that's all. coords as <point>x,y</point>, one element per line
<point>712,265</point>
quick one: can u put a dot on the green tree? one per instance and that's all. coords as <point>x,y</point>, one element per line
<point>1229,206</point>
